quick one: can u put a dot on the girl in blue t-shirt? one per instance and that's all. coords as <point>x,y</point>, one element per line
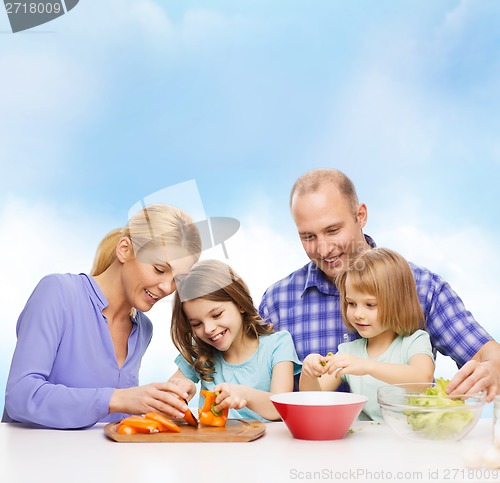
<point>225,345</point>
<point>379,300</point>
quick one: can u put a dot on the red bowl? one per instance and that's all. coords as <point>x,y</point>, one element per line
<point>317,415</point>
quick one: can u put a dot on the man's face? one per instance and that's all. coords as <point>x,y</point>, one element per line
<point>331,233</point>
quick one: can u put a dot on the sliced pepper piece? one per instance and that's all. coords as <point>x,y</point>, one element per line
<point>189,416</point>
<point>125,429</point>
<point>142,424</point>
<point>165,424</point>
<point>207,414</point>
<point>323,363</point>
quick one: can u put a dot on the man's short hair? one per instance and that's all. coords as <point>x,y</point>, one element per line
<point>313,180</point>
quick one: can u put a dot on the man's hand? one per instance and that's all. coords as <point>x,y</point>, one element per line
<point>482,372</point>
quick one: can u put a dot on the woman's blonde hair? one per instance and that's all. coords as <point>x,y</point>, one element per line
<point>157,225</point>
<point>387,276</point>
<point>216,281</point>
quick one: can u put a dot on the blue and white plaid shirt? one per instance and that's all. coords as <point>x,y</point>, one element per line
<point>307,304</point>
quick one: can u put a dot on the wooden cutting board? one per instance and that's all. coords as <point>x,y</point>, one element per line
<point>235,430</point>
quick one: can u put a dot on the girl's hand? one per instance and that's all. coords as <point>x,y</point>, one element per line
<point>230,396</point>
<point>315,365</point>
<point>162,397</point>
<point>348,364</point>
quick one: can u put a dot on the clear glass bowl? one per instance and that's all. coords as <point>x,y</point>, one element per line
<point>417,416</point>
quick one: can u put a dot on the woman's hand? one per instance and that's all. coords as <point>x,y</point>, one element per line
<point>230,396</point>
<point>162,397</point>
<point>185,385</point>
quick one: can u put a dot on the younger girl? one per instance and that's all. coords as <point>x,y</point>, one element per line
<point>226,345</point>
<point>379,301</point>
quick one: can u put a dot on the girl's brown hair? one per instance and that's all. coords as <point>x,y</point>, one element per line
<point>386,275</point>
<point>216,281</point>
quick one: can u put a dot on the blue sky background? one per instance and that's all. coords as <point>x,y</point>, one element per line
<point>118,99</point>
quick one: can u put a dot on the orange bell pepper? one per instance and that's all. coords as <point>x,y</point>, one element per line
<point>150,423</point>
<point>165,423</point>
<point>208,415</point>
<point>142,424</point>
<point>189,416</point>
<point>125,429</point>
<point>190,419</point>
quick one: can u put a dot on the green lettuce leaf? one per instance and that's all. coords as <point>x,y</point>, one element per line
<point>438,424</point>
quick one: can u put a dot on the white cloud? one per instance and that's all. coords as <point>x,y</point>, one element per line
<point>151,17</point>
<point>468,17</point>
<point>61,83</point>
<point>420,95</point>
<point>47,94</point>
<point>380,117</point>
<point>148,26</point>
<point>465,256</point>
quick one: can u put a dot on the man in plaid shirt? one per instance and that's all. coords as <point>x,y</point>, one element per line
<point>330,222</point>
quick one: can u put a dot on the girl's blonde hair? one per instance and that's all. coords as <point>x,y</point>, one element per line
<point>157,225</point>
<point>216,281</point>
<point>387,276</point>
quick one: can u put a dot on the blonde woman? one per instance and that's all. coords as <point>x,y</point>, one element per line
<point>379,301</point>
<point>81,338</point>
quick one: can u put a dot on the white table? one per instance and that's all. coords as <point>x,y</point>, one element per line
<point>371,453</point>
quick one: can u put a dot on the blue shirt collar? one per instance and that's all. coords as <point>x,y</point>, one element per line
<point>316,278</point>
